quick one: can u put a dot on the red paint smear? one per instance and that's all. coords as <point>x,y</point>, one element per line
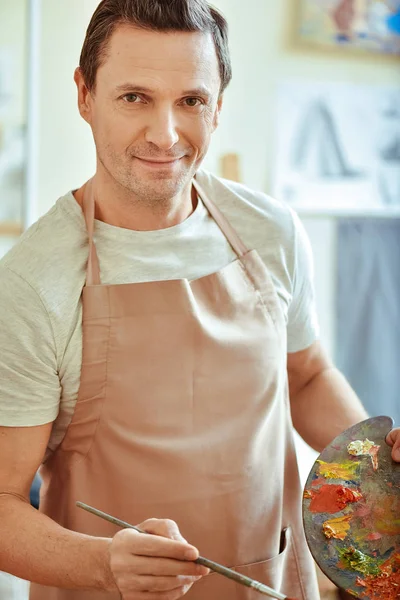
<point>332,498</point>
<point>318,481</point>
<point>385,586</point>
<point>372,537</point>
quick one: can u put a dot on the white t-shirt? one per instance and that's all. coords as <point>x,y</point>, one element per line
<point>42,277</point>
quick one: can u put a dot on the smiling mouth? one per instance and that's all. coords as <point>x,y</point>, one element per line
<point>159,162</point>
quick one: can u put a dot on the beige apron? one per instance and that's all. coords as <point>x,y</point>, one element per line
<point>183,413</point>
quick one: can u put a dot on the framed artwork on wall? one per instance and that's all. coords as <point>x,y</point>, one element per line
<point>359,26</point>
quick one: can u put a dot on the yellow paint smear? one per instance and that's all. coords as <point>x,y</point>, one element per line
<point>346,470</point>
<point>337,528</point>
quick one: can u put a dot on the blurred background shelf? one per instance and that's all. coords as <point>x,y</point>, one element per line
<point>373,213</point>
<point>11,229</point>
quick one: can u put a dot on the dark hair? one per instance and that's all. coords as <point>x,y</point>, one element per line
<point>155,15</point>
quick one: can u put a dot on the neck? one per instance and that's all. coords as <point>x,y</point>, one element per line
<point>128,212</point>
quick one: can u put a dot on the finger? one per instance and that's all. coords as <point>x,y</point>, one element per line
<point>172,595</point>
<point>396,450</point>
<point>143,544</point>
<point>393,440</point>
<point>392,437</point>
<point>163,527</point>
<point>165,567</point>
<point>157,584</point>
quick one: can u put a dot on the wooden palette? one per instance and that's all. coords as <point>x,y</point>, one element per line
<point>351,512</point>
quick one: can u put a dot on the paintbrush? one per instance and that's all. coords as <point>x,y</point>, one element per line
<point>213,566</point>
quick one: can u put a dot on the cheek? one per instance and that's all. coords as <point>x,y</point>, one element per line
<point>113,129</point>
<point>199,129</point>
<point>209,119</point>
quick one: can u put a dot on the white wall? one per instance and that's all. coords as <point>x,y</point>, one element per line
<point>13,33</point>
<point>66,153</point>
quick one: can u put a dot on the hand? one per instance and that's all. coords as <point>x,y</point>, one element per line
<point>393,439</point>
<point>154,567</point>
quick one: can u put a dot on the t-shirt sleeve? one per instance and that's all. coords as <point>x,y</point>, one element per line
<point>303,326</point>
<point>29,383</point>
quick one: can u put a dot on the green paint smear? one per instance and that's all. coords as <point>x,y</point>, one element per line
<point>395,521</point>
<point>356,560</point>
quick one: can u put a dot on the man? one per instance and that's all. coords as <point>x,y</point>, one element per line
<point>147,355</point>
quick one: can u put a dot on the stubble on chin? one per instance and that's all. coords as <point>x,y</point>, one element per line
<point>159,189</point>
<point>155,189</point>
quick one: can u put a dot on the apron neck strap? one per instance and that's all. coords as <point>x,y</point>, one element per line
<point>93,268</point>
<point>226,228</point>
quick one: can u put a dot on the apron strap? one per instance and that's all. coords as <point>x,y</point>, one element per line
<point>93,268</point>
<point>238,246</point>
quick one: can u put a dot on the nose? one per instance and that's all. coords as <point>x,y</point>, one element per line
<point>161,130</point>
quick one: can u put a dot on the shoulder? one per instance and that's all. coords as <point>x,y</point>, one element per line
<point>50,250</point>
<point>45,271</point>
<point>271,228</point>
<point>251,211</point>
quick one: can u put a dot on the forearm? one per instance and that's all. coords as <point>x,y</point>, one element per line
<point>35,548</point>
<point>324,408</point>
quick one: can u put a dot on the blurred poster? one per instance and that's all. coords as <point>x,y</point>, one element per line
<point>366,25</point>
<point>6,69</point>
<point>338,147</point>
<point>13,114</point>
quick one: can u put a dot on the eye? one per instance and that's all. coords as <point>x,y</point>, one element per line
<point>131,98</point>
<point>193,102</point>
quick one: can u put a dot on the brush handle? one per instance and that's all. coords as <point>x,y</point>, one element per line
<point>213,566</point>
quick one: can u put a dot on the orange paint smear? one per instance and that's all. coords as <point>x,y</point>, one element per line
<point>374,456</point>
<point>384,587</point>
<point>332,498</point>
<point>372,537</point>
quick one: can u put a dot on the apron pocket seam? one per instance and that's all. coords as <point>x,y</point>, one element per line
<point>303,591</point>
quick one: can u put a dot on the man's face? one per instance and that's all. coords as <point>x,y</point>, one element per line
<point>154,109</point>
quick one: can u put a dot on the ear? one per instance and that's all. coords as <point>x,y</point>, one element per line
<point>84,96</point>
<point>218,112</point>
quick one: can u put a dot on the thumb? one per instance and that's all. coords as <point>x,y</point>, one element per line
<point>393,440</point>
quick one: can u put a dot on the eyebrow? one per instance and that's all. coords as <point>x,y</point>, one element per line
<point>199,91</point>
